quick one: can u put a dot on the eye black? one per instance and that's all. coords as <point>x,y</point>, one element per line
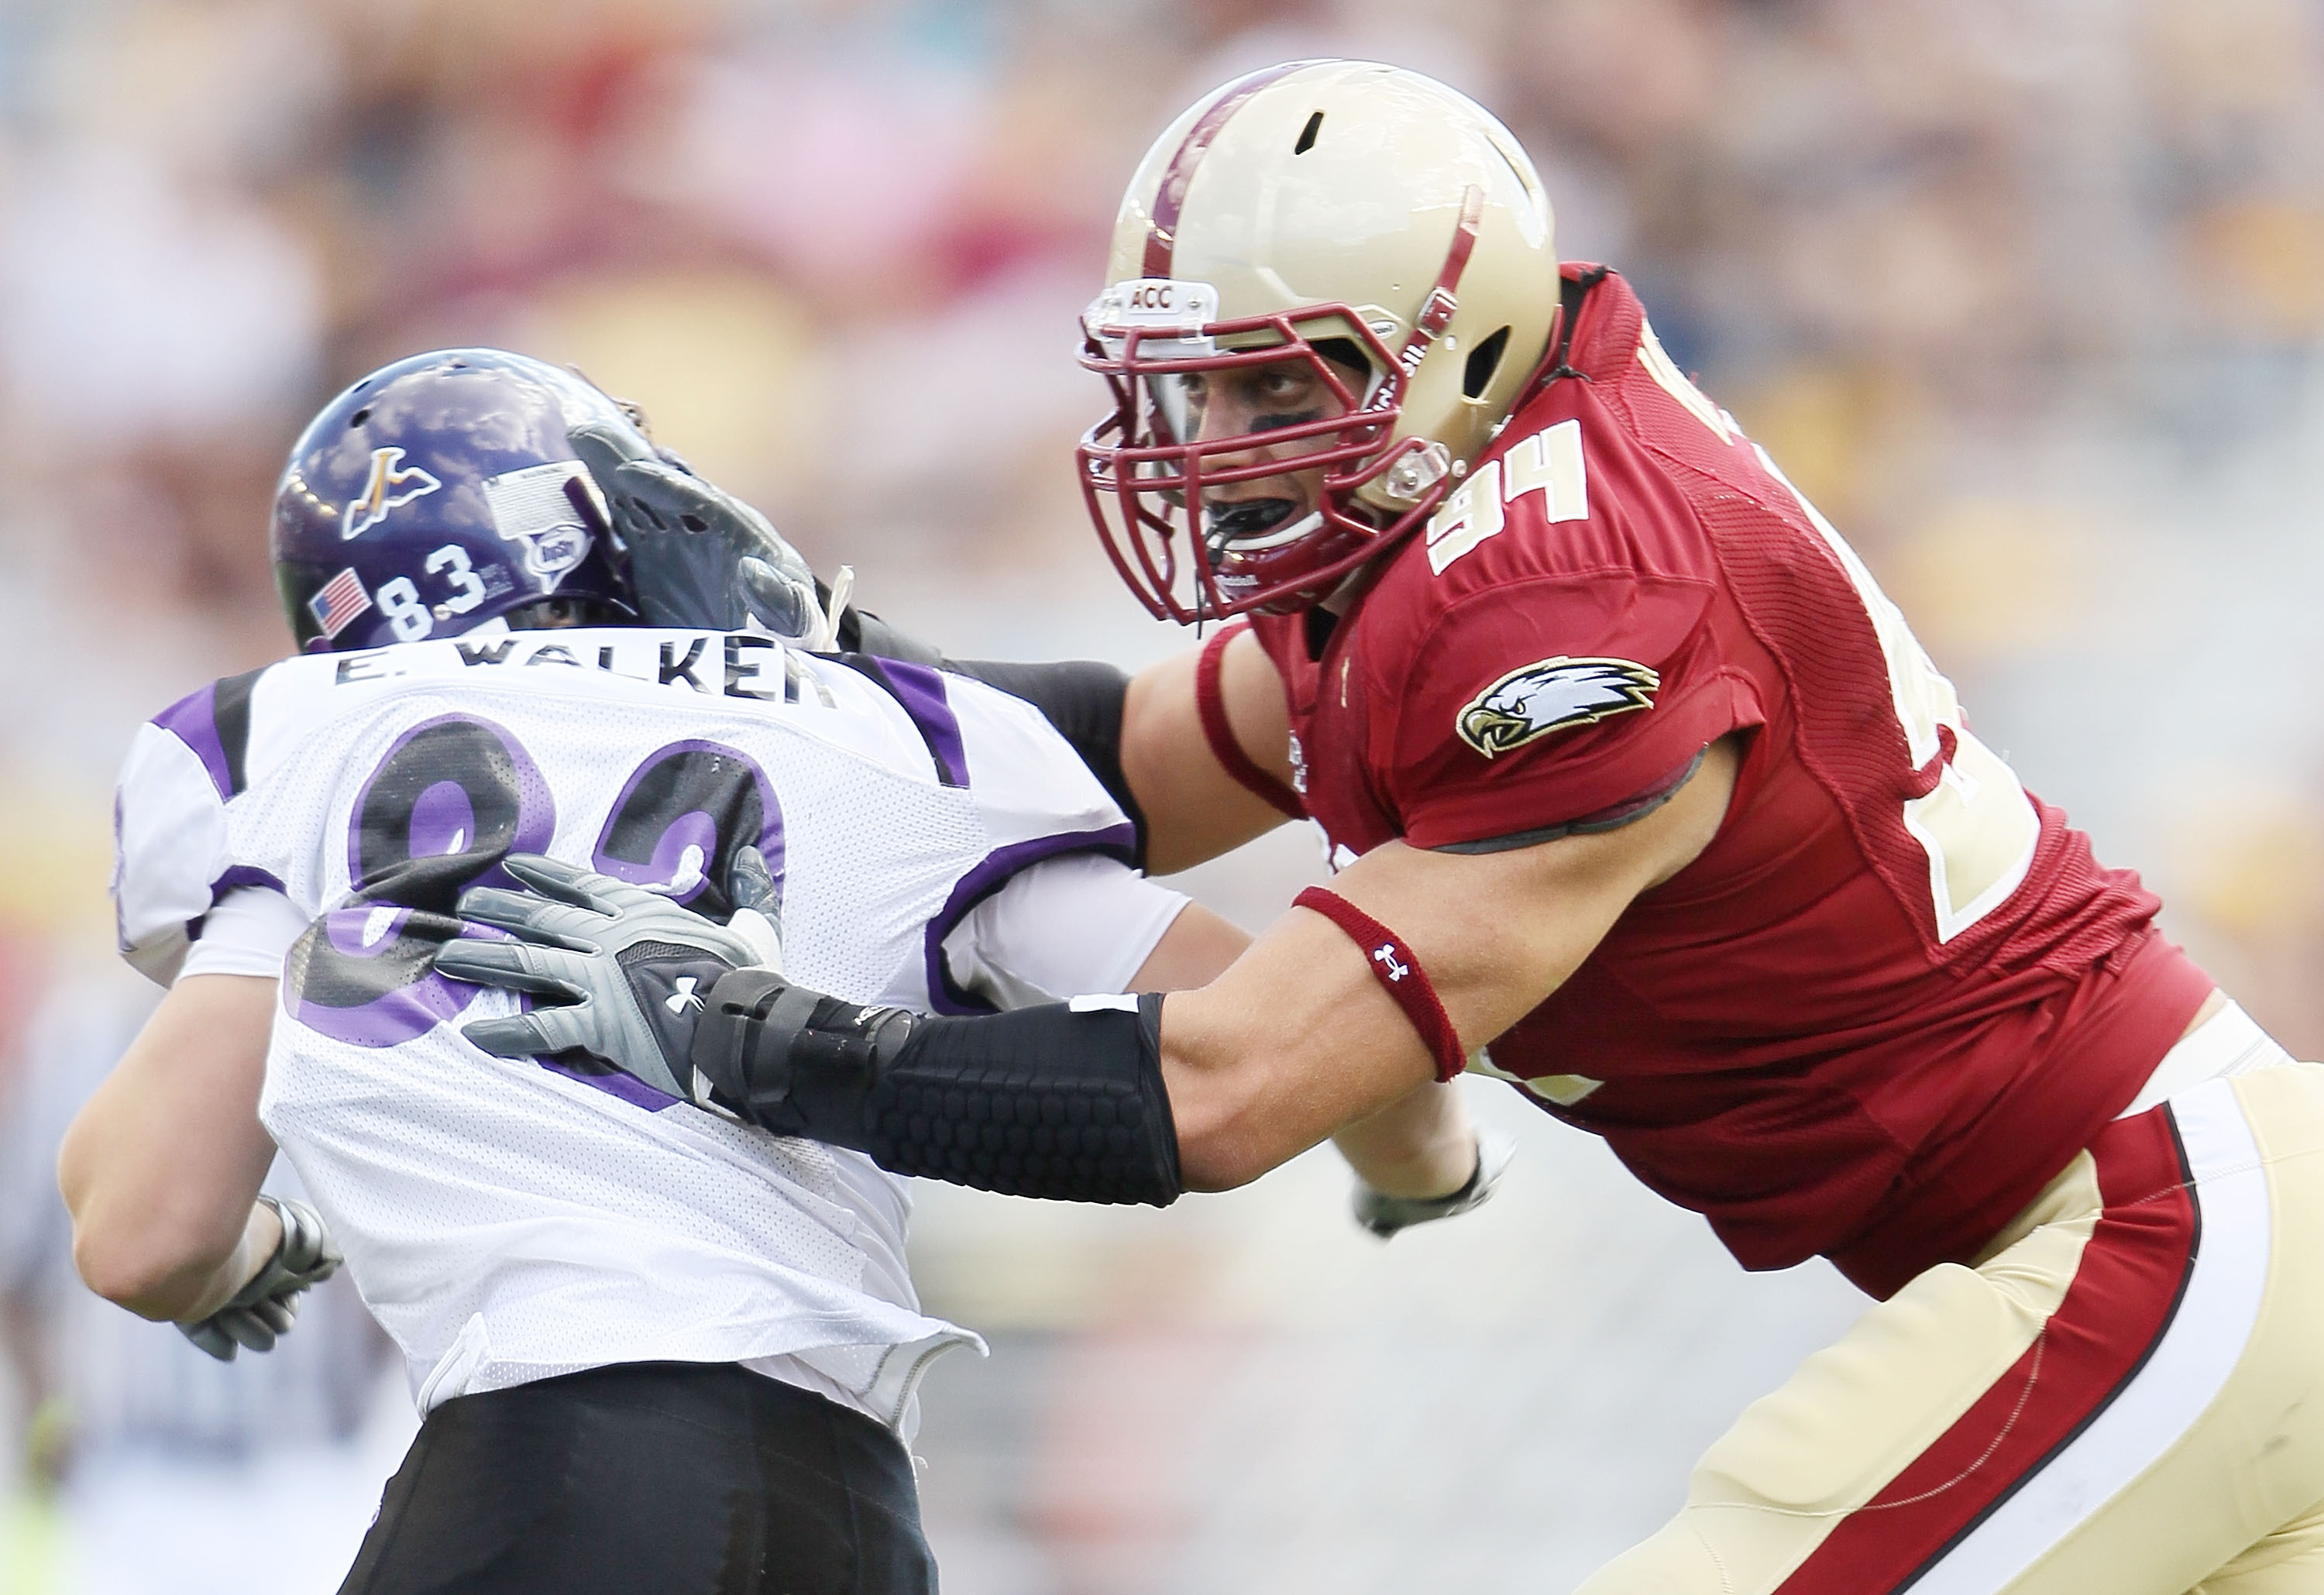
<point>1269,423</point>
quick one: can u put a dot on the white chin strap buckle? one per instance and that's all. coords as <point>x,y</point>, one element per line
<point>1420,469</point>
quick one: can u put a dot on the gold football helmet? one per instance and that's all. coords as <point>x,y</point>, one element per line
<point>1360,240</point>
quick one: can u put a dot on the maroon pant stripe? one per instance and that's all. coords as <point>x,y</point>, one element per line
<point>2122,1297</point>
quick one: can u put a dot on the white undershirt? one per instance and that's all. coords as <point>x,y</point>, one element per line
<point>2229,1043</point>
<point>248,933</point>
<point>1065,926</point>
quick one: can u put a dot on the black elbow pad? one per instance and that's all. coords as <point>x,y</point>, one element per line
<point>1050,1102</point>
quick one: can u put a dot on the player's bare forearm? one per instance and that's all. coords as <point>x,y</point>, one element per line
<point>1298,1038</point>
<point>201,1285</point>
<point>1198,947</point>
<point>162,1165</point>
<point>1195,810</point>
<point>1420,1145</point>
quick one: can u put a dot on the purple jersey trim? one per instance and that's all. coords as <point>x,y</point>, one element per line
<point>990,876</point>
<point>193,721</point>
<point>233,880</point>
<point>921,691</point>
<point>628,1088</point>
<point>240,876</point>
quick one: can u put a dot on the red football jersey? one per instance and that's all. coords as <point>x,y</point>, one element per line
<point>1897,994</point>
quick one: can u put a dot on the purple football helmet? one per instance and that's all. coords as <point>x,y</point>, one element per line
<point>439,493</point>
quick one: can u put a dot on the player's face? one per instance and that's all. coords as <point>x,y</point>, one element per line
<point>1254,401</point>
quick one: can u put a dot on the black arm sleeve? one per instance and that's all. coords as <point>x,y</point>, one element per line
<point>861,632</point>
<point>1085,700</point>
<point>1043,1101</point>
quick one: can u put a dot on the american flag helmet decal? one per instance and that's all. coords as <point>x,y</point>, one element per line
<point>339,601</point>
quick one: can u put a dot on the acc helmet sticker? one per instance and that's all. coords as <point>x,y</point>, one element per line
<point>391,483</point>
<point>1551,694</point>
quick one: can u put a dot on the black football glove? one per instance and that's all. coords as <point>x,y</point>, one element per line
<point>626,971</point>
<point>263,1311</point>
<point>701,557</point>
<point>1384,1215</point>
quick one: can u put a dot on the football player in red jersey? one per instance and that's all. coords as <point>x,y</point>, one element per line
<point>1644,797</point>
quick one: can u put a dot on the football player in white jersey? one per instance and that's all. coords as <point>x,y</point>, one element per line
<point>657,1350</point>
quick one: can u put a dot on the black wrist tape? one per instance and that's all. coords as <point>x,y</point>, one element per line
<point>1044,1102</point>
<point>861,632</point>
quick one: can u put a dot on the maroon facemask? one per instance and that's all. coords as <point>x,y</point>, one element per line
<point>1145,469</point>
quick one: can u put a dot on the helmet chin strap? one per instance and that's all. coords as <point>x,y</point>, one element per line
<point>1436,310</point>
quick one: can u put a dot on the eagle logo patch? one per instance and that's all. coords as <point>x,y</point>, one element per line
<point>1552,695</point>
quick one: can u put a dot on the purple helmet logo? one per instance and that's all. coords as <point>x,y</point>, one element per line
<point>391,484</point>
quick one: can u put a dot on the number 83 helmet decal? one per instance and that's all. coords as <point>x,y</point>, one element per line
<point>439,493</point>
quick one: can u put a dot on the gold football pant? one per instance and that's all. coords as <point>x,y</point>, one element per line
<point>2125,1397</point>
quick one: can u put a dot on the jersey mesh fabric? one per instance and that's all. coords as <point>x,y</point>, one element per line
<point>509,1221</point>
<point>1782,1036</point>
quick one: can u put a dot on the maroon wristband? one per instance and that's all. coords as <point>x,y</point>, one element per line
<point>1220,735</point>
<point>1398,973</point>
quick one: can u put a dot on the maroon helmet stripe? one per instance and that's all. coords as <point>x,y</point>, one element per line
<point>1436,310</point>
<point>1162,229</point>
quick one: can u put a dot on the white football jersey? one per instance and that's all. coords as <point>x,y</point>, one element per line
<point>513,1220</point>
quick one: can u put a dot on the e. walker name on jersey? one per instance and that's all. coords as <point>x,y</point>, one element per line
<point>731,664</point>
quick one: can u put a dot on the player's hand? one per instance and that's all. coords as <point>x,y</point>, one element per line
<point>1384,1215</point>
<point>623,972</point>
<point>263,1311</point>
<point>700,556</point>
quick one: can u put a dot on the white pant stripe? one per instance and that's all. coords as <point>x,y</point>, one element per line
<point>2198,1351</point>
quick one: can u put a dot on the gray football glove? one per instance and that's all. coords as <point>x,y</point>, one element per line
<point>700,556</point>
<point>626,970</point>
<point>1384,1215</point>
<point>263,1311</point>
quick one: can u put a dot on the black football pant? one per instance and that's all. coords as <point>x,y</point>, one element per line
<point>649,1478</point>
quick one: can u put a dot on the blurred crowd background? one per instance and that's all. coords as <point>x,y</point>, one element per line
<point>2027,294</point>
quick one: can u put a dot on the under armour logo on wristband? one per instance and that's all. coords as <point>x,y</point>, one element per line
<point>1415,995</point>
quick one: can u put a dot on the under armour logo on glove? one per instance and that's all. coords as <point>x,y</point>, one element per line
<point>1385,956</point>
<point>615,970</point>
